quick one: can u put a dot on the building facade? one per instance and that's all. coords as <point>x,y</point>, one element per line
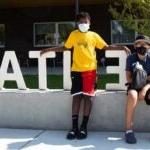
<point>33,25</point>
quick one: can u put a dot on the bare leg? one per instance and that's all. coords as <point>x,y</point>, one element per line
<point>87,105</point>
<point>132,101</point>
<point>75,113</point>
<point>86,111</point>
<point>76,104</point>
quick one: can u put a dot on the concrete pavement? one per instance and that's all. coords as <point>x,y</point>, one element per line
<point>22,139</point>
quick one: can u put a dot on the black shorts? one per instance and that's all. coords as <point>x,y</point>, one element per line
<point>131,88</point>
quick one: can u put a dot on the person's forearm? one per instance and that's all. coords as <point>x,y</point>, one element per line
<point>129,80</point>
<point>114,47</point>
<point>110,48</point>
<point>56,49</point>
<point>118,47</point>
<point>128,77</point>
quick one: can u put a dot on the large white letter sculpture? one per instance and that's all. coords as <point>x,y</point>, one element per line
<point>66,70</point>
<point>10,57</point>
<point>117,69</point>
<point>42,71</point>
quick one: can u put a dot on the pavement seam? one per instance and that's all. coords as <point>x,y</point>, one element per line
<point>36,136</point>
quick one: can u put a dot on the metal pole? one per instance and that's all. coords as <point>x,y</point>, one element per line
<point>76,7</point>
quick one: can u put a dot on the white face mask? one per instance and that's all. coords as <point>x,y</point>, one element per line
<point>84,27</point>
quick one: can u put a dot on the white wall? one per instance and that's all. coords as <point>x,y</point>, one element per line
<point>52,110</point>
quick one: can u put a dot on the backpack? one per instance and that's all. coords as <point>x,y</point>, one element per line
<point>139,77</point>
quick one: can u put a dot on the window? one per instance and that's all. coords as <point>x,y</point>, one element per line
<point>51,33</point>
<point>44,34</point>
<point>120,34</point>
<point>2,35</point>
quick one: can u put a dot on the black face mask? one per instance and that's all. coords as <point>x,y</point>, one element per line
<point>141,50</point>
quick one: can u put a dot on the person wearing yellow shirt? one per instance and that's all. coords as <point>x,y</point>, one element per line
<point>83,43</point>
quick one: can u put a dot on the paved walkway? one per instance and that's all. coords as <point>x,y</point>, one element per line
<point>21,139</point>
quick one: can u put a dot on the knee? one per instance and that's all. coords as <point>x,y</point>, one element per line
<point>133,95</point>
<point>142,95</point>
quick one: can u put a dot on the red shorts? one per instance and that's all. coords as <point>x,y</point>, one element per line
<point>83,83</point>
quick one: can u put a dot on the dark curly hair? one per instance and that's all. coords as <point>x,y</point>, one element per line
<point>83,15</point>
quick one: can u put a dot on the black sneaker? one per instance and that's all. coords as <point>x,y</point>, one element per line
<point>82,134</point>
<point>72,134</point>
<point>130,138</point>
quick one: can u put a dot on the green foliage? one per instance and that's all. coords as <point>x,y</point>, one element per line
<point>56,81</point>
<point>136,14</point>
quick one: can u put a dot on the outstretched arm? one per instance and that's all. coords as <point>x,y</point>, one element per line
<point>117,47</point>
<point>55,49</point>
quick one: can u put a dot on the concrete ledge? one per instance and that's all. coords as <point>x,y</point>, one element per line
<point>52,110</point>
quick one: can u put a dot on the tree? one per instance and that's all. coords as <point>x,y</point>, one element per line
<point>135,13</point>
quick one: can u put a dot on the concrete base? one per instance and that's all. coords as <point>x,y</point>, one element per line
<point>52,110</point>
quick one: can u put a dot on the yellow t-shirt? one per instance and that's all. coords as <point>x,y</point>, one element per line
<point>84,54</point>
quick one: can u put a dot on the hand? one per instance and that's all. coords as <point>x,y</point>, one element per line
<point>126,49</point>
<point>128,52</point>
<point>142,93</point>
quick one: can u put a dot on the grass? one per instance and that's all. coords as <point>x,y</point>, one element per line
<point>56,81</point>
